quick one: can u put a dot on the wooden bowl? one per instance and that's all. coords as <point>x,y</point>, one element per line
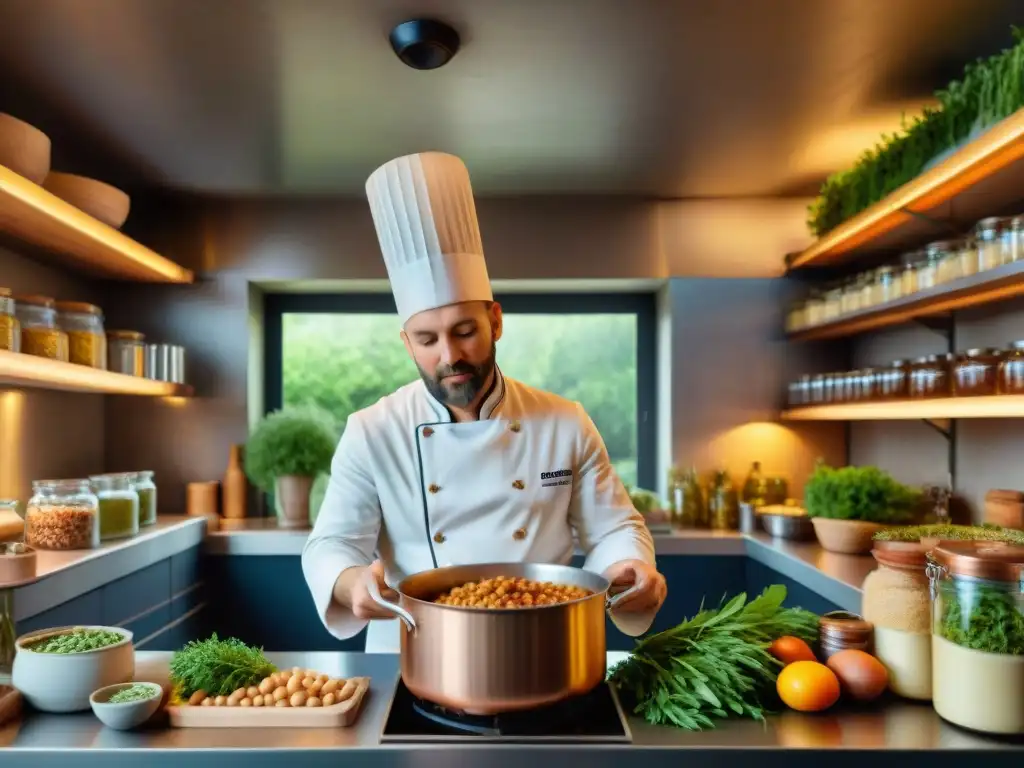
<point>96,198</point>
<point>24,149</point>
<point>847,537</point>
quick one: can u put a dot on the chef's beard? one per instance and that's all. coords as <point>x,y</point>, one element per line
<point>459,394</point>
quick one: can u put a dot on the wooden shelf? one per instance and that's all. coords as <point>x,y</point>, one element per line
<point>986,287</point>
<point>21,370</point>
<point>37,218</point>
<point>980,179</point>
<point>996,407</point>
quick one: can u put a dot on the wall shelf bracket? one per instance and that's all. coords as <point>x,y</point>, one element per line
<point>942,224</point>
<point>943,426</point>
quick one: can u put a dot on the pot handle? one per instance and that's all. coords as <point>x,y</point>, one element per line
<point>612,600</point>
<point>399,611</point>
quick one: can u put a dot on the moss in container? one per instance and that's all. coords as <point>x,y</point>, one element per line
<point>946,532</point>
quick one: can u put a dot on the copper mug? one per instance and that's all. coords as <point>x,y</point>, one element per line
<point>484,661</point>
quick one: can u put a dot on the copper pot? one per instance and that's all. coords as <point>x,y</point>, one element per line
<point>486,661</point>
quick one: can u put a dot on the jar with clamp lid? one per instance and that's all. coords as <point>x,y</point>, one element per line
<point>62,514</point>
<point>977,591</point>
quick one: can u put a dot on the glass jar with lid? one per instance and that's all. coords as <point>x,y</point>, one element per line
<point>991,248</point>
<point>887,285</point>
<point>62,514</point>
<point>40,335</point>
<point>814,309</point>
<point>946,256</point>
<point>908,272</point>
<point>974,372</point>
<point>796,317</point>
<point>119,505</point>
<point>126,352</point>
<point>893,381</point>
<point>833,307</point>
<point>10,328</point>
<point>146,489</point>
<point>928,267</point>
<point>83,323</point>
<point>1010,379</point>
<point>978,634</point>
<point>929,376</point>
<point>967,263</point>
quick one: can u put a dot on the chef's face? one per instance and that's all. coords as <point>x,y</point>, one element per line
<point>454,349</point>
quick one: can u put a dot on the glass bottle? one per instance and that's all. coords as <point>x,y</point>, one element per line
<point>723,505</point>
<point>119,505</point>
<point>146,489</point>
<point>755,489</point>
<point>687,496</point>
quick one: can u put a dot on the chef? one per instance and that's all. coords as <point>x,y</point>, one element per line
<point>465,465</point>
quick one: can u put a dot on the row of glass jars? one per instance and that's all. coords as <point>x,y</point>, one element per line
<point>80,513</point>
<point>994,242</point>
<point>69,331</point>
<point>976,372</point>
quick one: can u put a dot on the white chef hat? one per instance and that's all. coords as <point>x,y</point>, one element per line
<point>423,210</point>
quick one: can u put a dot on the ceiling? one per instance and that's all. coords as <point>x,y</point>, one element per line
<point>662,98</point>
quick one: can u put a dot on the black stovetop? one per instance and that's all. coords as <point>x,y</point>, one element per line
<point>593,717</point>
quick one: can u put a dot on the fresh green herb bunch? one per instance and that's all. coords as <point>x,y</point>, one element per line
<point>991,89</point>
<point>218,667</point>
<point>715,665</point>
<point>293,441</point>
<point>136,693</point>
<point>982,618</point>
<point>860,493</point>
<point>986,532</point>
<point>78,640</point>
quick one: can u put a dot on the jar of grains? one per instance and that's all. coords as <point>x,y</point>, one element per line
<point>146,489</point>
<point>40,335</point>
<point>83,323</point>
<point>119,505</point>
<point>898,603</point>
<point>10,328</point>
<point>978,634</point>
<point>62,514</point>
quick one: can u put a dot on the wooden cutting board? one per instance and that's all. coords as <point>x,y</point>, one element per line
<point>335,716</point>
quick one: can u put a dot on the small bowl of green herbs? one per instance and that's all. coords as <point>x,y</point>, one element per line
<point>126,705</point>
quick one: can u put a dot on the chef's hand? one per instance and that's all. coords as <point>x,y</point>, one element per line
<point>354,593</point>
<point>652,588</point>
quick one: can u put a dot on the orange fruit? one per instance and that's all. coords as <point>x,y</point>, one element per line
<point>808,686</point>
<point>788,649</point>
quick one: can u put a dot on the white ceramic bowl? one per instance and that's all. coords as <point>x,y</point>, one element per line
<point>63,682</point>
<point>129,714</point>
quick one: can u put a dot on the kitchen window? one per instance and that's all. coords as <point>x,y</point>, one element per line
<point>342,352</point>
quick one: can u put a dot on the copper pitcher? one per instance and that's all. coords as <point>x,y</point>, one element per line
<point>484,661</point>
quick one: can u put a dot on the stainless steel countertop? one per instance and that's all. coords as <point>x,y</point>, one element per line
<point>897,725</point>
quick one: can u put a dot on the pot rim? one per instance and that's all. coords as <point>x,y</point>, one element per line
<point>24,643</point>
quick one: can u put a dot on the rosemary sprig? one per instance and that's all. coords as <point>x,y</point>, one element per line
<point>217,666</point>
<point>714,665</point>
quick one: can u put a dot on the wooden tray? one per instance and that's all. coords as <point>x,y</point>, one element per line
<point>334,716</point>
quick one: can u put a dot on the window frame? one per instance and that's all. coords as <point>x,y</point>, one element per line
<point>642,305</point>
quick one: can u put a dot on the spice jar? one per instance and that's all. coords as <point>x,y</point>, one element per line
<point>688,510</point>
<point>908,272</point>
<point>83,323</point>
<point>10,328</point>
<point>990,251</point>
<point>146,489</point>
<point>723,503</point>
<point>40,335</point>
<point>930,377</point>
<point>892,381</point>
<point>126,352</point>
<point>897,602</point>
<point>814,310</point>
<point>119,505</point>
<point>974,372</point>
<point>841,631</point>
<point>1014,236</point>
<point>978,634</point>
<point>62,514</point>
<point>1010,378</point>
<point>887,286</point>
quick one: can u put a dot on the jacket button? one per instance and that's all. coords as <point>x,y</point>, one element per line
<point>520,534</point>
<point>433,488</point>
<point>518,485</point>
<point>427,431</point>
<point>439,537</point>
<point>514,426</point>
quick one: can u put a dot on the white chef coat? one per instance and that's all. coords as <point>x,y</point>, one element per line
<point>419,491</point>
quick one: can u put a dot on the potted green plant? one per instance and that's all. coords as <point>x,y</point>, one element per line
<point>285,453</point>
<point>849,505</point>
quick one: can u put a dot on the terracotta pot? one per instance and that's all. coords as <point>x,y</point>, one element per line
<point>293,500</point>
<point>847,537</point>
<point>24,149</point>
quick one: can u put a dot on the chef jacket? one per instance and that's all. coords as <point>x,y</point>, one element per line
<point>420,491</point>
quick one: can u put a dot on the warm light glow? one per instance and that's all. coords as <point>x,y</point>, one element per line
<point>12,405</point>
<point>29,371</point>
<point>36,216</point>
<point>175,401</point>
<point>998,147</point>
<point>994,407</point>
<point>778,447</point>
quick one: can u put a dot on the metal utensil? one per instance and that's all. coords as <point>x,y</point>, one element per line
<point>486,661</point>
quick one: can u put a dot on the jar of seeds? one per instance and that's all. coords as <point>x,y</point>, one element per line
<point>62,514</point>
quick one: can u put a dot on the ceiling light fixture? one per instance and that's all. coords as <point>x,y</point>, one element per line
<point>424,43</point>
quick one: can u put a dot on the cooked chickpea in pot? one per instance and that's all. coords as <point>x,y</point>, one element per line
<point>510,592</point>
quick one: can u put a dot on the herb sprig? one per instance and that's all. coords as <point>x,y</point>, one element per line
<point>714,665</point>
<point>217,666</point>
